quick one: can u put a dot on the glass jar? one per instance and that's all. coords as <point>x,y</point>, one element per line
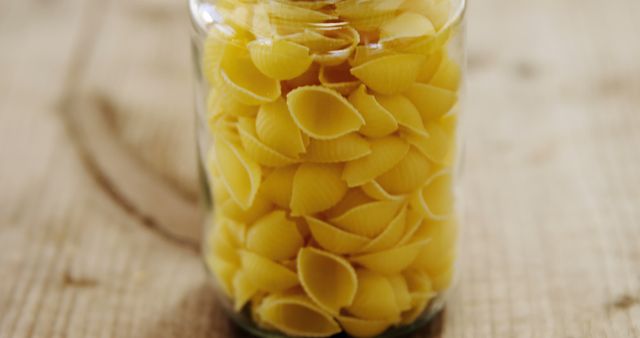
<point>328,146</point>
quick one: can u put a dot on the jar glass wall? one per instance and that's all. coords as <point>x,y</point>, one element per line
<point>328,141</point>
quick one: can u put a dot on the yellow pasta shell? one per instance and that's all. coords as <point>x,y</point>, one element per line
<point>436,199</point>
<point>275,237</point>
<point>323,113</point>
<point>338,56</point>
<point>244,81</point>
<point>430,67</point>
<point>289,12</point>
<point>296,315</point>
<point>258,151</point>
<point>278,185</point>
<point>432,102</point>
<point>212,53</point>
<point>365,328</point>
<point>329,280</point>
<point>419,305</point>
<point>367,52</point>
<point>438,146</point>
<point>316,187</point>
<point>243,290</point>
<point>351,9</point>
<point>374,190</point>
<point>414,224</point>
<point>318,42</point>
<point>437,11</point>
<point>279,59</point>
<point>386,152</point>
<point>375,298</point>
<point>335,239</point>
<point>448,76</point>
<point>443,280</point>
<point>240,175</point>
<point>353,198</point>
<point>406,25</point>
<point>378,120</point>
<point>276,128</point>
<point>408,175</point>
<point>393,260</point>
<point>404,112</point>
<point>224,272</point>
<point>346,148</point>
<point>390,236</point>
<point>369,219</point>
<point>338,78</point>
<point>390,74</point>
<point>401,291</point>
<point>233,210</point>
<point>266,274</point>
<point>441,251</point>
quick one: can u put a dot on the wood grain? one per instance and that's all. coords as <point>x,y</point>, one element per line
<point>98,178</point>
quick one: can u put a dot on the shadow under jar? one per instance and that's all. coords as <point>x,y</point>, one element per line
<point>328,146</point>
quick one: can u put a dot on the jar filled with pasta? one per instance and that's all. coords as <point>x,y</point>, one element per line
<point>328,134</point>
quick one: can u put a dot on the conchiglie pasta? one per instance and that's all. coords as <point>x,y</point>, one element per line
<point>374,190</point>
<point>369,219</point>
<point>436,10</point>
<point>278,184</point>
<point>346,148</point>
<point>240,175</point>
<point>213,51</point>
<point>297,315</point>
<point>375,298</point>
<point>448,76</point>
<point>274,236</point>
<point>337,57</point>
<point>393,260</point>
<point>364,328</point>
<point>436,199</point>
<point>323,113</point>
<point>441,252</point>
<point>404,112</point>
<point>443,280</point>
<point>385,154</point>
<point>243,290</point>
<point>279,59</point>
<point>224,272</point>
<point>430,66</point>
<point>390,74</point>
<point>257,150</point>
<point>432,102</point>
<point>244,81</point>
<point>406,25</point>
<point>401,291</point>
<point>316,187</point>
<point>318,42</point>
<point>353,198</point>
<point>266,274</point>
<point>334,239</point>
<point>378,120</point>
<point>276,128</point>
<point>415,220</point>
<point>408,175</point>
<point>437,146</point>
<point>328,279</point>
<point>390,236</point>
<point>233,210</point>
<point>292,13</point>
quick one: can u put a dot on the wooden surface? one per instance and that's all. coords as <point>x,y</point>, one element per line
<point>98,193</point>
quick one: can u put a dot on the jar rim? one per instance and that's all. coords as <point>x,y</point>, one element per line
<point>200,23</point>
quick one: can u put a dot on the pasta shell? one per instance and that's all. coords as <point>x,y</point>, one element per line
<point>443,280</point>
<point>212,53</point>
<point>240,175</point>
<point>385,154</point>
<point>369,219</point>
<point>275,237</point>
<point>408,175</point>
<point>267,275</point>
<point>418,282</point>
<point>390,236</point>
<point>440,253</point>
<point>404,112</point>
<point>346,148</point>
<point>436,10</point>
<point>289,12</point>
<point>352,199</point>
<point>338,56</point>
<point>419,305</point>
<point>323,113</point>
<point>353,9</point>
<point>316,187</point>
<point>335,239</point>
<point>377,192</point>
<point>318,42</point>
<point>357,327</point>
<point>432,102</point>
<point>378,120</point>
<point>243,290</point>
<point>298,316</point>
<point>256,303</point>
<point>436,198</point>
<point>276,128</point>
<point>437,146</point>
<point>367,52</point>
<point>338,78</point>
<point>258,151</point>
<point>370,23</point>
<point>375,298</point>
<point>448,76</point>
<point>224,272</point>
<point>430,67</point>
<point>393,260</point>
<point>329,280</point>
<point>279,59</point>
<point>414,224</point>
<point>258,208</point>
<point>244,81</point>
<point>406,25</point>
<point>390,74</point>
<point>401,291</point>
<point>278,185</point>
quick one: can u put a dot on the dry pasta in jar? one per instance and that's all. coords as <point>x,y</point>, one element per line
<point>328,136</point>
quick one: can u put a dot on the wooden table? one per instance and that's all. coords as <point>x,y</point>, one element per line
<point>98,194</point>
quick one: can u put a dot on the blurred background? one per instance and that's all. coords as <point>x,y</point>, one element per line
<point>98,182</point>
